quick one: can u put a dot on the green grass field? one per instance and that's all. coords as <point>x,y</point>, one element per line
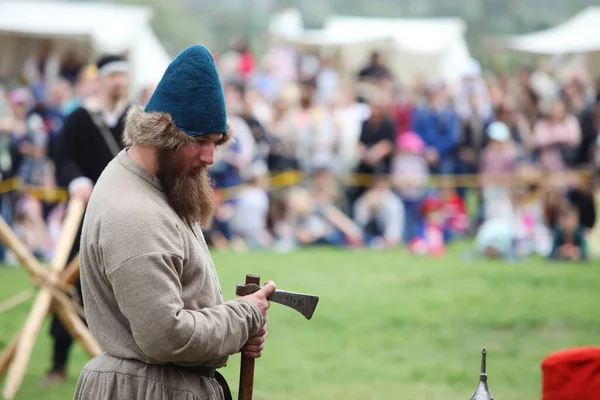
<point>388,325</point>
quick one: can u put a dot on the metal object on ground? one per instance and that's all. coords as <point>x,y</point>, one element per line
<point>482,392</point>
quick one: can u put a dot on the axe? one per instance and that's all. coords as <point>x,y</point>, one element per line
<point>303,303</point>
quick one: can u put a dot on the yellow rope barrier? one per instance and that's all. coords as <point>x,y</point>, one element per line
<point>294,178</point>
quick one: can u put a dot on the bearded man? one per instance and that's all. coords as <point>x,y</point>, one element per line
<point>152,295</point>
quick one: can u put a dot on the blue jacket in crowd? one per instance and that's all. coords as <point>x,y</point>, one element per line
<point>438,129</point>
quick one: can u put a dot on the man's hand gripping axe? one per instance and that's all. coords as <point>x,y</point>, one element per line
<point>305,304</point>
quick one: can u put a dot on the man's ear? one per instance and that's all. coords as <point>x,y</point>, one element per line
<point>228,136</point>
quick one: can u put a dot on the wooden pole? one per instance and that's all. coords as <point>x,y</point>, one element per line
<point>79,331</point>
<point>16,300</point>
<point>8,353</point>
<point>247,363</point>
<point>25,344</point>
<point>38,274</point>
<point>43,301</point>
<point>71,273</point>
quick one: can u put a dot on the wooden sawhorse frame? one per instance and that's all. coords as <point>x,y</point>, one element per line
<point>55,285</point>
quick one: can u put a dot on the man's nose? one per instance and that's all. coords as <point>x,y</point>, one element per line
<point>207,155</point>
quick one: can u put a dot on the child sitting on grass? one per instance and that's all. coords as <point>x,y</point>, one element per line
<point>569,240</point>
<point>433,234</point>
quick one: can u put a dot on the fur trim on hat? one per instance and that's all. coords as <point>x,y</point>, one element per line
<point>157,129</point>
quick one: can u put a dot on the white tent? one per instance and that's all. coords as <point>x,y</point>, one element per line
<point>89,28</point>
<point>576,35</point>
<point>434,47</point>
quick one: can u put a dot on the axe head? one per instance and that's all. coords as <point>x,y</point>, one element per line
<point>305,304</point>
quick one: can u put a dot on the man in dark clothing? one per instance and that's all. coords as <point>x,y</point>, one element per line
<point>589,121</point>
<point>375,69</point>
<point>375,148</point>
<point>91,136</point>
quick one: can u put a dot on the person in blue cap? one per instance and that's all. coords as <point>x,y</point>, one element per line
<point>151,292</point>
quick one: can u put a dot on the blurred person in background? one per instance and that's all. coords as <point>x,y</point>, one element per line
<point>252,208</point>
<point>284,131</point>
<point>328,80</point>
<point>473,98</point>
<point>326,189</point>
<point>380,214</point>
<point>86,89</point>
<point>554,200</point>
<point>375,144</point>
<point>432,235</point>
<point>594,235</point>
<point>581,195</point>
<point>454,207</point>
<point>528,102</point>
<point>410,177</point>
<point>264,80</point>
<point>229,165</point>
<point>439,126</point>
<point>496,87</point>
<point>34,165</point>
<point>234,159</point>
<point>280,222</point>
<point>350,115</point>
<point>319,223</point>
<point>47,108</point>
<point>375,70</point>
<point>575,96</point>
<point>20,101</point>
<point>596,162</point>
<point>245,102</point>
<point>319,140</point>
<point>543,84</point>
<point>146,93</point>
<point>9,159</point>
<point>402,110</point>
<point>520,131</point>
<point>60,94</point>
<point>495,239</point>
<point>257,106</point>
<point>473,138</point>
<point>246,61</point>
<point>89,139</point>
<point>70,67</point>
<point>569,239</point>
<point>557,138</point>
<point>42,67</point>
<point>525,223</point>
<point>498,163</point>
<point>23,154</point>
<point>32,133</point>
<point>590,125</point>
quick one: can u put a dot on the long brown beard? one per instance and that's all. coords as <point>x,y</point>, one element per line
<point>190,195</point>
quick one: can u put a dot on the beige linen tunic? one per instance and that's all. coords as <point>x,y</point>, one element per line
<point>152,297</point>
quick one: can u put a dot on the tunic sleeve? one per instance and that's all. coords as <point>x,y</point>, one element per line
<point>148,291</point>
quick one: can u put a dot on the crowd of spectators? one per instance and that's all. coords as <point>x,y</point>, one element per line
<point>511,161</point>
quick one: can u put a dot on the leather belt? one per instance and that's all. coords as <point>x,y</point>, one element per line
<point>213,373</point>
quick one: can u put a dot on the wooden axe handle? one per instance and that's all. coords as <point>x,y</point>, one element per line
<point>247,364</point>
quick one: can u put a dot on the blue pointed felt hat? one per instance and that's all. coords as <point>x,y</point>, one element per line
<point>191,92</point>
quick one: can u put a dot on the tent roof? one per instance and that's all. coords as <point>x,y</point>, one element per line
<point>109,25</point>
<point>110,28</point>
<point>435,34</point>
<point>576,35</point>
